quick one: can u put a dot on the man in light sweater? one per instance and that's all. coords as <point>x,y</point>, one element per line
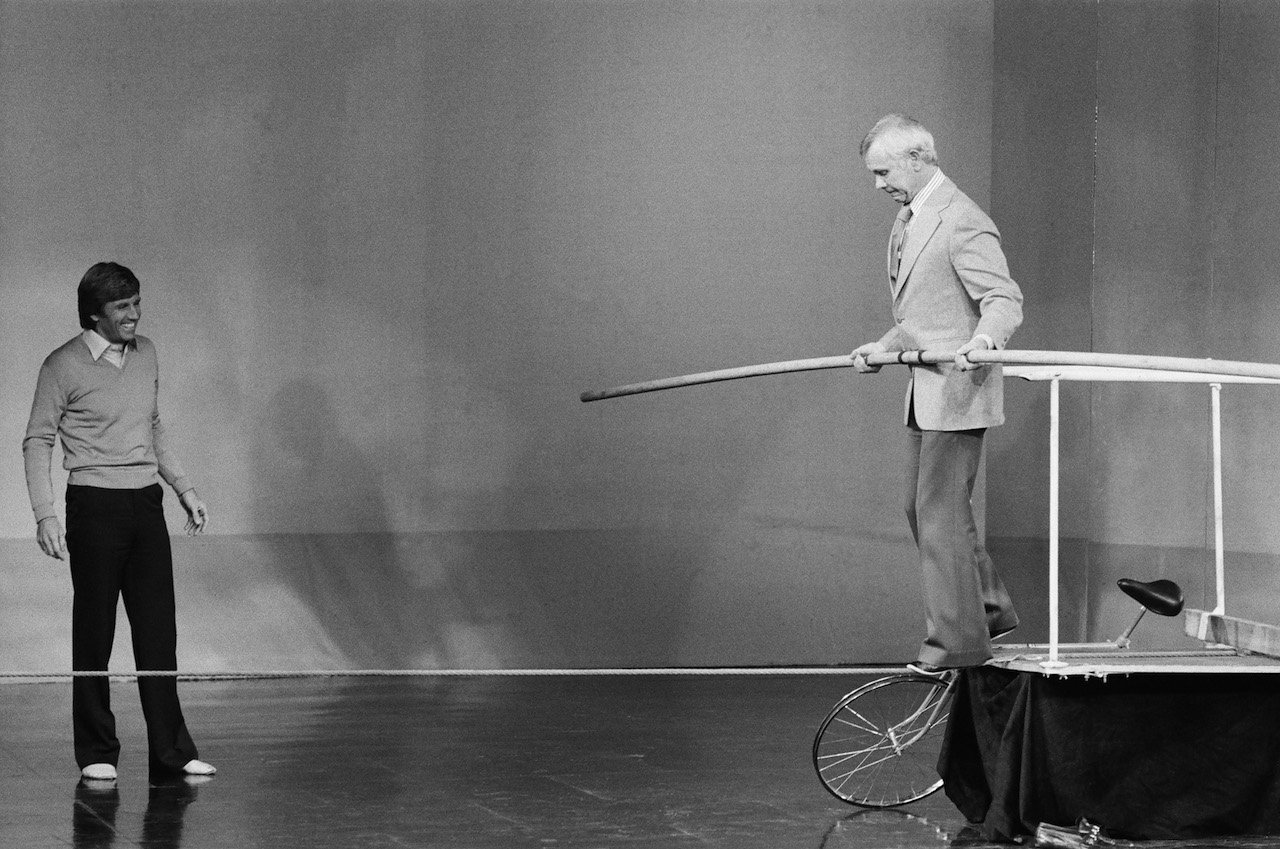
<point>98,392</point>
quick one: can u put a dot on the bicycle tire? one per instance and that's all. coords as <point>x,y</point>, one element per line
<point>884,752</point>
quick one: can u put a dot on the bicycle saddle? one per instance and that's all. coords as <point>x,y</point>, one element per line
<point>1163,596</point>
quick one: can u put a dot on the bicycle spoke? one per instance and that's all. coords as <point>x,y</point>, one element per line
<point>868,725</point>
<point>864,757</point>
<point>865,753</point>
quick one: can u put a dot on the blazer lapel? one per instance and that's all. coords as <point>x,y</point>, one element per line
<point>924,224</point>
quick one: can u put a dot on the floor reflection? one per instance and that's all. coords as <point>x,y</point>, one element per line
<point>470,763</point>
<point>896,827</point>
<point>93,814</point>
<point>167,801</point>
<point>96,805</point>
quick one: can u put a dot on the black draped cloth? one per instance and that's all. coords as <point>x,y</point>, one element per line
<point>1144,756</point>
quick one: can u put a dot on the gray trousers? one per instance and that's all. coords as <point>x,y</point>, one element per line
<point>965,600</point>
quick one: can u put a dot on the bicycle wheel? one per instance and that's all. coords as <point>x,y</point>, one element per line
<point>879,746</point>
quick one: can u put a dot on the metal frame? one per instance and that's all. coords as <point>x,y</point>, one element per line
<point>1053,367</point>
<point>1054,375</point>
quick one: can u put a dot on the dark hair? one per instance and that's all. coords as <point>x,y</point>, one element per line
<point>102,283</point>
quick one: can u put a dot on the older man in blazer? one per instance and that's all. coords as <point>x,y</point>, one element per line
<point>951,292</point>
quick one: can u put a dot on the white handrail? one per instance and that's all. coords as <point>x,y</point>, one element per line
<point>1189,365</point>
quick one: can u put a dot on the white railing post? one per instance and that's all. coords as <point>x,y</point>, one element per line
<point>1054,475</point>
<point>1219,564</point>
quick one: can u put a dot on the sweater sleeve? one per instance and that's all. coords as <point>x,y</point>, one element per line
<point>42,431</point>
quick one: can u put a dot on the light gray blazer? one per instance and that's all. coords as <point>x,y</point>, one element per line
<point>953,283</point>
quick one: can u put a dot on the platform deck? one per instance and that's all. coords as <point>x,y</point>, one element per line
<point>1102,661</point>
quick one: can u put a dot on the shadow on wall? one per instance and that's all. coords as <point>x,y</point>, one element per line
<point>733,542</point>
<point>356,594</point>
<point>351,578</point>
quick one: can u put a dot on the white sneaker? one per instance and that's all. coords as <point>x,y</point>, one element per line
<point>99,772</point>
<point>194,767</point>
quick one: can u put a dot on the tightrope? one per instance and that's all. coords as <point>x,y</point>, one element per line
<point>189,675</point>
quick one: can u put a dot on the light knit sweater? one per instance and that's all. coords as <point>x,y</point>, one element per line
<point>108,419</point>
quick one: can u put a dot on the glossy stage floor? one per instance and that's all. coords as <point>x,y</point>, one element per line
<point>622,760</point>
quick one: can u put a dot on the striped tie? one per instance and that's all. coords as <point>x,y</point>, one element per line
<point>896,240</point>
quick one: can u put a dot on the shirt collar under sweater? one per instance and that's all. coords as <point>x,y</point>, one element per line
<point>98,346</point>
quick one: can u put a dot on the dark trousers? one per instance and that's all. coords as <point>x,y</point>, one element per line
<point>965,600</point>
<point>119,547</point>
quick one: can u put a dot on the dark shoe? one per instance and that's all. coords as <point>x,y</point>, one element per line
<point>970,835</point>
<point>1003,632</point>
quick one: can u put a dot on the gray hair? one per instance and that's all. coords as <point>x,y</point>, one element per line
<point>901,136</point>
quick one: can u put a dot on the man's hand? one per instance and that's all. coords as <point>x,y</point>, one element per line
<point>977,343</point>
<point>861,353</point>
<point>197,513</point>
<point>51,539</point>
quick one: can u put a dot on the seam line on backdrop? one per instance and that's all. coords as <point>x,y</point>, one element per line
<point>1208,578</point>
<point>1082,617</point>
